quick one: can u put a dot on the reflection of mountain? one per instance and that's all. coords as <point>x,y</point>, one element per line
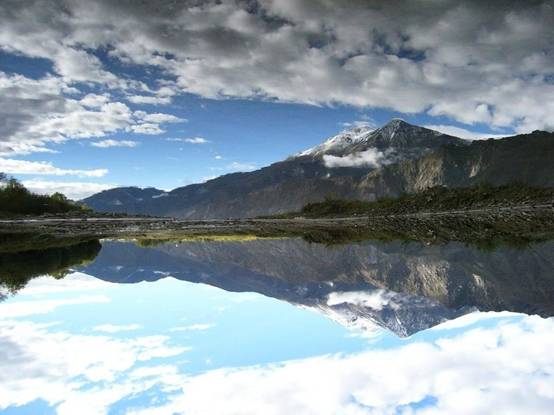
<point>17,268</point>
<point>404,287</point>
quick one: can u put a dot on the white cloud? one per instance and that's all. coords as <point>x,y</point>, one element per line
<point>158,117</point>
<point>459,59</point>
<point>190,140</point>
<point>463,133</point>
<point>45,168</point>
<point>218,157</point>
<point>144,99</point>
<point>73,190</point>
<point>95,100</point>
<point>113,328</point>
<point>114,143</point>
<point>368,158</point>
<point>46,111</point>
<point>359,123</point>
<point>147,128</point>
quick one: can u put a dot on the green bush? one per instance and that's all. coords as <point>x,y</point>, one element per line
<point>15,199</point>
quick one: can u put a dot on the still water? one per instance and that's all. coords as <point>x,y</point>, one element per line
<point>277,326</point>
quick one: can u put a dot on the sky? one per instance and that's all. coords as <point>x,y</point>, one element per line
<point>168,93</point>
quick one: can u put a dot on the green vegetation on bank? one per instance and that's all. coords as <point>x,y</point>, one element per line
<point>436,199</point>
<point>19,267</point>
<point>17,200</point>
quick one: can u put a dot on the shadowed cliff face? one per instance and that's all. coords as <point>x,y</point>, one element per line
<point>403,287</point>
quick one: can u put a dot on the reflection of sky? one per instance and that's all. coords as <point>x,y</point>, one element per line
<point>81,345</point>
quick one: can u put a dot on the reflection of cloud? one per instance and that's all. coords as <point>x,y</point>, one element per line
<point>53,366</point>
<point>375,300</point>
<point>26,308</point>
<point>112,328</point>
<point>193,327</point>
<point>76,281</point>
<point>469,319</point>
<point>505,369</point>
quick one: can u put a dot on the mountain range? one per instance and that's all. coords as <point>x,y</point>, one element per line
<point>360,163</point>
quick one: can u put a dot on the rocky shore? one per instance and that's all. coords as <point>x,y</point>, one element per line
<point>510,225</point>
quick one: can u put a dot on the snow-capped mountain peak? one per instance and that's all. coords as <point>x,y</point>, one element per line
<point>338,142</point>
<point>397,135</point>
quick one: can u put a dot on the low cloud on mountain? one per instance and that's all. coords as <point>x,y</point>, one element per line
<point>368,158</point>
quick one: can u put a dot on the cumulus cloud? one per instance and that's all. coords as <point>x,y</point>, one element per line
<point>145,99</point>
<point>158,117</point>
<point>95,100</point>
<point>38,112</point>
<point>368,158</point>
<point>460,59</point>
<point>73,190</point>
<point>114,143</point>
<point>147,128</point>
<point>14,166</point>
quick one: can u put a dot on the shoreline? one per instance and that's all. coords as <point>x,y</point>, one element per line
<point>512,225</point>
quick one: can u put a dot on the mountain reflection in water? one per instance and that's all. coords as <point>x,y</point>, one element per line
<point>230,328</point>
<point>405,287</point>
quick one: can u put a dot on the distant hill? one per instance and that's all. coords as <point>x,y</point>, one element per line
<point>360,164</point>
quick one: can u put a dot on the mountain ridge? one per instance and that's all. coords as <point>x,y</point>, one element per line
<point>359,163</point>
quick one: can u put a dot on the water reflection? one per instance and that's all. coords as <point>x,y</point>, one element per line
<point>17,268</point>
<point>250,327</point>
<point>403,287</point>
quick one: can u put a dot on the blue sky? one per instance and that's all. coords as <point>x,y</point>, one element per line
<point>169,95</point>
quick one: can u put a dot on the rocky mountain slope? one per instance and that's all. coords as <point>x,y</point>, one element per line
<point>357,164</point>
<point>526,158</point>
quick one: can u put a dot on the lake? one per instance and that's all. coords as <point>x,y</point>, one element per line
<point>277,326</point>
